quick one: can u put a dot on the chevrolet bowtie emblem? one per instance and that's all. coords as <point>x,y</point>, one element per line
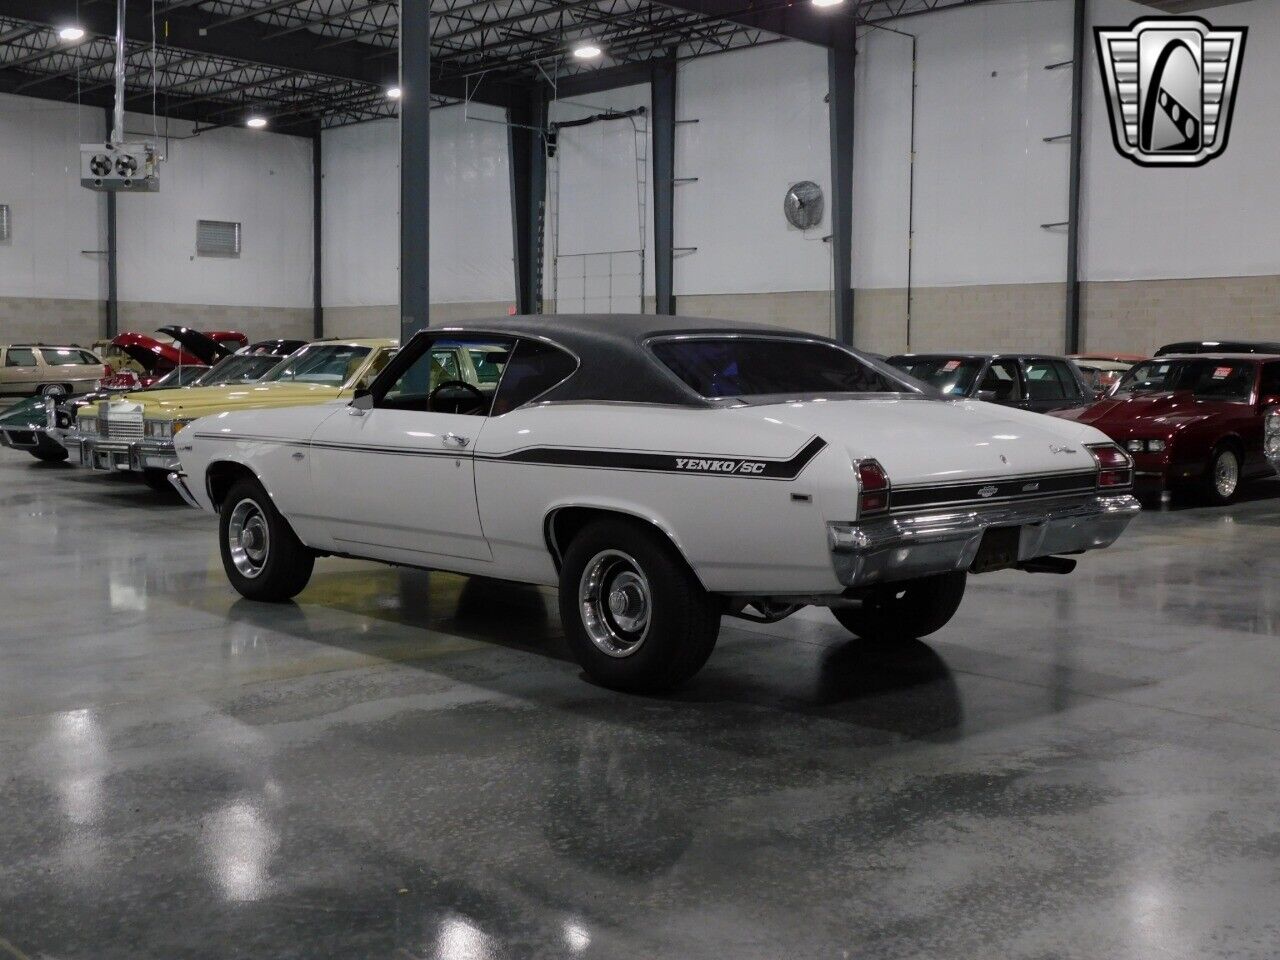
<point>1171,88</point>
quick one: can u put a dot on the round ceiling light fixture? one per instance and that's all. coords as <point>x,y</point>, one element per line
<point>587,50</point>
<point>71,33</point>
<point>394,93</point>
<point>827,3</point>
<point>257,123</point>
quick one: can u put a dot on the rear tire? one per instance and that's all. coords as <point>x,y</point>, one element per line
<point>1222,485</point>
<point>53,390</point>
<point>907,610</point>
<point>49,451</point>
<point>635,616</point>
<point>262,556</point>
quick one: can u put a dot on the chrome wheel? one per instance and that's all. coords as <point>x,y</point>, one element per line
<point>249,538</point>
<point>1226,474</point>
<point>615,603</point>
<point>53,392</point>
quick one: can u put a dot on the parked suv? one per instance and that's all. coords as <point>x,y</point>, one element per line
<point>36,368</point>
<point>1029,381</point>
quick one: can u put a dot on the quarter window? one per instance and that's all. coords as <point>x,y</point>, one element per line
<point>534,368</point>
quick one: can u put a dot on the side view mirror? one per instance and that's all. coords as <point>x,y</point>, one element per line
<point>988,396</point>
<point>1269,401</point>
<point>362,403</point>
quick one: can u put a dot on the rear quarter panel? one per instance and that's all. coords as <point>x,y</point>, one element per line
<point>740,533</point>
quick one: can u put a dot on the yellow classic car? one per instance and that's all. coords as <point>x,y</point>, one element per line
<point>135,432</point>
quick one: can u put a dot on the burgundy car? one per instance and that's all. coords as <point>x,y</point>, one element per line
<point>1192,421</point>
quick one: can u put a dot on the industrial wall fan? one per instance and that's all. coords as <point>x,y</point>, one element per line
<point>803,205</point>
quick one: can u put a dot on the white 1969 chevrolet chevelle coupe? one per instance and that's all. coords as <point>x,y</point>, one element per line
<point>663,472</point>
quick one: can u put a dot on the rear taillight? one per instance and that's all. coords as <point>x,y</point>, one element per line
<point>873,488</point>
<point>1115,469</point>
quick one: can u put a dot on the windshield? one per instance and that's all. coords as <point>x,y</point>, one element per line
<point>179,377</point>
<point>954,376</point>
<point>717,367</point>
<point>238,369</point>
<point>1208,379</point>
<point>332,364</point>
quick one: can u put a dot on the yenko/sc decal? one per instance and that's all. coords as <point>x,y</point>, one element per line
<point>719,466</point>
<point>1171,88</point>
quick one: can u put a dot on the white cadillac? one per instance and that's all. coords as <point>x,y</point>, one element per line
<point>663,472</point>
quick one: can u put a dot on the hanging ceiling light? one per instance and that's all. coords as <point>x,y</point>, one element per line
<point>827,3</point>
<point>587,50</point>
<point>71,33</point>
<point>257,123</point>
<point>393,93</point>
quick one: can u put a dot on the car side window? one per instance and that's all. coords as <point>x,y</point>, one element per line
<point>533,369</point>
<point>89,359</point>
<point>1070,383</point>
<point>1270,386</point>
<point>1001,380</point>
<point>436,381</point>
<point>20,357</point>
<point>1043,382</point>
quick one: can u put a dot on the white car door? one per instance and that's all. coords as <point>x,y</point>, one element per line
<point>396,481</point>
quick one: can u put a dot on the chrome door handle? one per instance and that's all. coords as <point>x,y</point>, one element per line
<point>452,439</point>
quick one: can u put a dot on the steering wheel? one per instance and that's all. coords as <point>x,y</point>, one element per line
<point>457,396</point>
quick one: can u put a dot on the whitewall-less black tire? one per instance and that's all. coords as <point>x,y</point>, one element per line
<point>907,610</point>
<point>635,616</point>
<point>262,556</point>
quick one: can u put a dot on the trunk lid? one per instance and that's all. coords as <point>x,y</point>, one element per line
<point>921,441</point>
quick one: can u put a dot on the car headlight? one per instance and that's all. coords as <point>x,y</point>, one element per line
<point>1146,446</point>
<point>88,425</point>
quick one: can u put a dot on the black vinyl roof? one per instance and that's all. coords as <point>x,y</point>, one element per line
<point>615,365</point>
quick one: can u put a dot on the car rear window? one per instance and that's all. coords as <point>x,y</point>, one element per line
<point>954,376</point>
<point>726,367</point>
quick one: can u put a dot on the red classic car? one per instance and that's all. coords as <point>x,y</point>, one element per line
<point>152,356</point>
<point>1191,421</point>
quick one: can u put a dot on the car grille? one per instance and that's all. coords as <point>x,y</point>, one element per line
<point>126,426</point>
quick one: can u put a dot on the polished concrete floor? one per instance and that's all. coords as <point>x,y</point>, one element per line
<point>406,765</point>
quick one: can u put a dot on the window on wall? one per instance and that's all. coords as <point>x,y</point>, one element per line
<point>6,228</point>
<point>217,238</point>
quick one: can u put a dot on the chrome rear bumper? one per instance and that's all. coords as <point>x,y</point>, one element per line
<point>907,546</point>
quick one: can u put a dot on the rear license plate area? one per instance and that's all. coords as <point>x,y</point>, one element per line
<point>998,550</point>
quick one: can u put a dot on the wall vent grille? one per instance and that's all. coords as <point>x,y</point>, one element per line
<point>217,238</point>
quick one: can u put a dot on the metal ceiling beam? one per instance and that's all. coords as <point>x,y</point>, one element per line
<point>786,19</point>
<point>191,30</point>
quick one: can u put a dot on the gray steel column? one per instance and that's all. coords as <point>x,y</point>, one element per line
<point>1073,202</point>
<point>840,63</point>
<point>112,321</point>
<point>415,165</point>
<point>663,92</point>
<point>317,246</point>
<point>526,121</point>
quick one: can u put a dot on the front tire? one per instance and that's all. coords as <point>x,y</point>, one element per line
<point>49,451</point>
<point>635,616</point>
<point>1222,485</point>
<point>908,610</point>
<point>262,556</point>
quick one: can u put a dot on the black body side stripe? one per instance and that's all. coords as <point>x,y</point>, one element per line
<point>698,464</point>
<point>716,465</point>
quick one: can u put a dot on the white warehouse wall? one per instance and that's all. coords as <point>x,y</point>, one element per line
<point>471,269</point>
<point>258,179</point>
<point>47,285</point>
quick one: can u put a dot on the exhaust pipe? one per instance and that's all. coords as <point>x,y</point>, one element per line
<point>1059,565</point>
